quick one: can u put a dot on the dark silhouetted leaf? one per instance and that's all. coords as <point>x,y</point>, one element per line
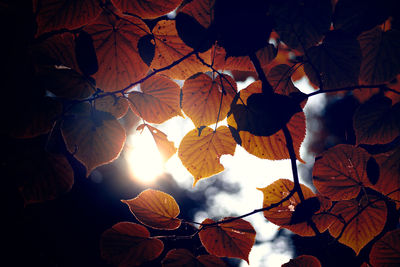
<point>85,54</point>
<point>305,210</point>
<point>386,251</point>
<point>372,170</point>
<point>183,257</point>
<point>303,261</point>
<point>146,46</point>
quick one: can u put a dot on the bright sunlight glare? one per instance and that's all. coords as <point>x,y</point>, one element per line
<point>145,162</point>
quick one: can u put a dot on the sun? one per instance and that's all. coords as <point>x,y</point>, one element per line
<point>144,161</point>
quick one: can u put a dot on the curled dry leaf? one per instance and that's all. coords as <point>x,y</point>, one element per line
<point>207,101</point>
<point>158,100</point>
<point>232,239</point>
<point>386,251</point>
<point>364,221</point>
<point>303,261</point>
<point>340,172</point>
<point>183,257</point>
<point>201,153</point>
<point>129,244</point>
<point>155,209</point>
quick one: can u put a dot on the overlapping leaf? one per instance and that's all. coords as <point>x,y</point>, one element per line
<point>207,101</point>
<point>64,14</point>
<point>129,244</point>
<point>377,121</point>
<point>166,147</point>
<point>269,147</point>
<point>386,251</point>
<point>303,261</point>
<point>381,56</point>
<point>335,63</point>
<point>364,220</point>
<point>290,214</point>
<point>116,106</point>
<point>340,172</point>
<point>155,209</point>
<point>115,41</point>
<point>232,239</point>
<point>183,257</point>
<point>201,153</point>
<point>93,137</point>
<point>170,49</point>
<point>158,101</point>
<point>147,9</point>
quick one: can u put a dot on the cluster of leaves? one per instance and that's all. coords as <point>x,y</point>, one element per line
<point>98,62</point>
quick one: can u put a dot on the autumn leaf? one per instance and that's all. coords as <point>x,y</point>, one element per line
<point>269,147</point>
<point>147,9</point>
<point>207,100</point>
<point>170,49</point>
<point>183,257</point>
<point>166,147</point>
<point>158,101</point>
<point>377,121</point>
<point>340,172</point>
<point>155,209</point>
<point>64,14</point>
<point>93,137</point>
<point>303,261</point>
<point>116,106</point>
<point>129,244</point>
<point>364,220</point>
<point>232,239</point>
<point>201,153</point>
<point>116,40</point>
<point>386,251</point>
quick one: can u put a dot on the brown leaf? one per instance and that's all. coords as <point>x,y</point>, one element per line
<point>340,172</point>
<point>386,251</point>
<point>303,261</point>
<point>155,209</point>
<point>201,154</point>
<point>129,244</point>
<point>116,106</point>
<point>183,257</point>
<point>147,9</point>
<point>233,239</point>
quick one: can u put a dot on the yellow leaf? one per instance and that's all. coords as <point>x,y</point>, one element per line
<point>201,154</point>
<point>155,209</point>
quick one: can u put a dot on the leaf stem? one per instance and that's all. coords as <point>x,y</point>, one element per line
<point>348,88</point>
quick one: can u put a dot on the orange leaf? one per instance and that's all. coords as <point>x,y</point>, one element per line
<point>303,261</point>
<point>94,137</point>
<point>201,10</point>
<point>147,9</point>
<point>340,172</point>
<point>377,121</point>
<point>232,239</point>
<point>170,48</point>
<point>381,55</point>
<point>155,209</point>
<point>158,101</point>
<point>283,214</point>
<point>200,154</point>
<point>116,106</point>
<point>386,251</point>
<point>364,220</point>
<point>270,147</point>
<point>116,41</point>
<point>183,257</point>
<point>166,147</point>
<point>64,14</point>
<point>129,244</point>
<point>205,101</point>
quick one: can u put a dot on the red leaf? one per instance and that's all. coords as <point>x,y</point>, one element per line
<point>183,257</point>
<point>147,9</point>
<point>303,261</point>
<point>386,251</point>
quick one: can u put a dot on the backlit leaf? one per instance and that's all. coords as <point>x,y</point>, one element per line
<point>170,48</point>
<point>64,14</point>
<point>336,62</point>
<point>283,214</point>
<point>155,209</point>
<point>166,147</point>
<point>147,9</point>
<point>93,137</point>
<point>377,121</point>
<point>303,261</point>
<point>129,244</point>
<point>364,221</point>
<point>205,101</point>
<point>280,79</point>
<point>269,147</point>
<point>233,239</point>
<point>116,43</point>
<point>201,154</point>
<point>158,100</point>
<point>340,172</point>
<point>116,106</point>
<point>201,10</point>
<point>183,257</point>
<point>386,251</point>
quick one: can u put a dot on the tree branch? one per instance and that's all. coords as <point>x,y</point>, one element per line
<point>266,86</point>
